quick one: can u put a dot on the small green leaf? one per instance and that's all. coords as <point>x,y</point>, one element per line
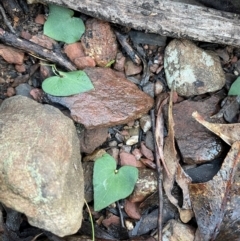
<point>110,184</point>
<point>61,26</point>
<point>68,83</point>
<point>235,87</point>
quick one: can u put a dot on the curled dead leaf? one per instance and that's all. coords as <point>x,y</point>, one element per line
<point>227,132</point>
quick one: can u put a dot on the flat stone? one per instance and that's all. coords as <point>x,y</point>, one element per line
<point>194,70</point>
<point>40,169</point>
<point>196,143</point>
<point>91,139</point>
<point>114,100</point>
<point>99,41</point>
<point>11,55</point>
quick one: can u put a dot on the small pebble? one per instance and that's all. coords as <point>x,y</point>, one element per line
<point>149,89</point>
<point>40,19</point>
<point>114,151</point>
<point>126,148</point>
<point>145,123</point>
<point>10,91</point>
<point>112,143</point>
<point>132,140</point>
<point>149,140</point>
<point>158,88</point>
<point>119,137</point>
<point>129,225</point>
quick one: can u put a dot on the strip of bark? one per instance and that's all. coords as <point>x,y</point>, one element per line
<point>164,17</point>
<point>35,50</point>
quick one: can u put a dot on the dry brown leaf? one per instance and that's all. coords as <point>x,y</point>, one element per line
<point>216,202</point>
<point>159,132</point>
<point>175,171</point>
<point>183,180</point>
<point>228,132</point>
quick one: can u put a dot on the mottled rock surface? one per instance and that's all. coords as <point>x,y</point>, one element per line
<point>113,101</point>
<point>40,169</point>
<point>194,70</point>
<point>99,41</point>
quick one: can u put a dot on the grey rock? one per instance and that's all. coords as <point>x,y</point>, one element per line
<point>194,70</point>
<point>24,90</point>
<point>40,170</point>
<point>149,140</point>
<point>149,89</point>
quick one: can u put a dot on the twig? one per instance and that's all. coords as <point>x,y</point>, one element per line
<point>121,215</point>
<point>160,188</point>
<point>126,46</point>
<point>6,20</point>
<point>34,49</point>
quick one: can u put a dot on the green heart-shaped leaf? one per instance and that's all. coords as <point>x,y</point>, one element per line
<point>110,184</point>
<point>235,87</point>
<point>61,26</point>
<point>68,83</point>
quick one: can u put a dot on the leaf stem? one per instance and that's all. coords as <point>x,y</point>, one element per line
<point>90,216</point>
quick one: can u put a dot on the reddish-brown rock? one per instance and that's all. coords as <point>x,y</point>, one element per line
<point>99,42</point>
<point>127,159</point>
<point>84,62</point>
<point>11,55</point>
<point>40,19</point>
<point>132,69</point>
<point>196,143</point>
<point>74,50</point>
<point>91,139</point>
<point>114,101</point>
<point>21,68</point>
<point>120,62</point>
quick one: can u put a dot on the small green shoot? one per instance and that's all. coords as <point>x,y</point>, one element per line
<point>110,63</point>
<point>62,26</point>
<point>235,87</point>
<point>111,184</point>
<point>67,83</point>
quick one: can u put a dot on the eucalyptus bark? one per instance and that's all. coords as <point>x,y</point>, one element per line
<point>164,17</point>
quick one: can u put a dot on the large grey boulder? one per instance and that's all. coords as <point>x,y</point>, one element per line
<point>40,165</point>
<point>194,70</point>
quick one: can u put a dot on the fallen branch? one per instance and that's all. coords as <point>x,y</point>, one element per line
<point>35,50</point>
<point>164,17</point>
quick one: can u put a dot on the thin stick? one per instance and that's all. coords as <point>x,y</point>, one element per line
<point>160,188</point>
<point>35,49</point>
<point>121,215</point>
<point>6,20</point>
